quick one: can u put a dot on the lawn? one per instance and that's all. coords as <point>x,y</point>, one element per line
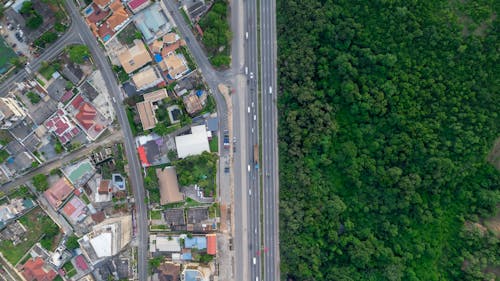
<point>156,215</point>
<point>6,54</point>
<point>36,222</point>
<point>47,70</point>
<point>214,144</point>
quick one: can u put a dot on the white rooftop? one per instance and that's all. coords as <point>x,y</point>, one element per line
<point>194,143</point>
<point>164,244</point>
<point>102,244</point>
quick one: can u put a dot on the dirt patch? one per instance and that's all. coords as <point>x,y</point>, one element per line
<point>494,155</point>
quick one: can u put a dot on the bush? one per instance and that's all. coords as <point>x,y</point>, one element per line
<point>72,243</point>
<point>34,98</point>
<point>46,38</point>
<point>40,182</point>
<point>220,60</point>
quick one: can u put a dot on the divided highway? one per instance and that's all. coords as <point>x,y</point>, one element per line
<point>270,172</point>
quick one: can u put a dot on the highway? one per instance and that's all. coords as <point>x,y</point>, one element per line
<point>270,172</point>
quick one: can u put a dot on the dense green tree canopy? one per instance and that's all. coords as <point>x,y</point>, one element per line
<point>387,111</point>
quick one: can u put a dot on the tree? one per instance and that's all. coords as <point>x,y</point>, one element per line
<point>40,182</point>
<point>72,243</point>
<point>161,129</point>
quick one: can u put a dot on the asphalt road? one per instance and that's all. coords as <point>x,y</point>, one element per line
<point>70,37</point>
<point>135,171</point>
<point>270,171</point>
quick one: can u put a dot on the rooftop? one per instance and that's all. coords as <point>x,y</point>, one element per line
<point>58,192</point>
<point>199,243</point>
<point>146,108</point>
<point>152,22</point>
<point>137,5</point>
<point>211,244</point>
<point>75,210</point>
<point>164,244</point>
<point>194,143</point>
<point>175,65</point>
<point>146,78</point>
<point>169,186</point>
<point>37,270</point>
<point>135,57</point>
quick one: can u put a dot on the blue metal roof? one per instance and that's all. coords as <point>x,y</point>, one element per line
<point>196,242</point>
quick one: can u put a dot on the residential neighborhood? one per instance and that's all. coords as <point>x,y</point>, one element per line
<point>77,220</point>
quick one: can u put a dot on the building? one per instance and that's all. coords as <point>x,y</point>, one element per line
<point>211,244</point>
<point>170,38</point>
<point>107,238</point>
<point>169,186</point>
<point>58,192</point>
<point>86,115</point>
<point>175,65</point>
<point>10,112</point>
<point>135,57</point>
<point>75,210</point>
<point>152,150</point>
<point>158,243</point>
<point>146,78</point>
<point>105,18</point>
<point>192,103</point>
<point>197,242</point>
<point>36,269</point>
<point>62,126</point>
<point>152,23</point>
<point>147,108</point>
<point>168,272</point>
<point>194,143</point>
<point>137,5</point>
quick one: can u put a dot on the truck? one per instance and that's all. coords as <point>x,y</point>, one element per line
<point>226,139</point>
<point>256,155</point>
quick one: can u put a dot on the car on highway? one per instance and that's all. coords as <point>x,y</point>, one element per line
<point>254,117</point>
<point>249,168</point>
<point>249,109</point>
<point>254,260</point>
<point>270,90</point>
<point>251,75</point>
<point>246,35</point>
<point>246,70</point>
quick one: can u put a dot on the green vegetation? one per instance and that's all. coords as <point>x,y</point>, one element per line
<point>200,169</point>
<point>120,72</point>
<point>69,269</point>
<point>58,147</point>
<point>6,55</point>
<point>189,59</point>
<point>72,242</point>
<point>151,185</point>
<point>130,117</point>
<point>33,19</point>
<point>216,34</point>
<point>46,69</point>
<point>155,262</point>
<point>22,192</point>
<point>3,155</point>
<point>40,182</point>
<point>214,144</point>
<point>78,53</point>
<point>46,38</point>
<point>34,98</point>
<point>155,215</point>
<point>387,111</point>
<point>37,224</point>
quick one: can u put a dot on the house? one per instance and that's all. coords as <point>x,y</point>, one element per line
<point>192,103</point>
<point>197,242</point>
<point>10,112</point>
<point>62,126</point>
<point>152,22</point>
<point>170,38</point>
<point>119,18</point>
<point>105,187</point>
<point>106,17</point>
<point>147,108</point>
<point>194,143</point>
<point>137,5</point>
<point>146,78</point>
<point>159,243</point>
<point>211,244</point>
<point>169,271</point>
<point>36,269</point>
<point>156,47</point>
<point>102,4</point>
<point>135,57</point>
<point>58,192</point>
<point>90,120</point>
<point>107,238</point>
<point>152,150</point>
<point>175,65</point>
<point>75,210</point>
<point>169,186</point>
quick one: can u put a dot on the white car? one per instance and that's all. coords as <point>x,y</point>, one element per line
<point>250,192</point>
<point>246,35</point>
<point>270,90</point>
<point>249,109</point>
<point>254,260</point>
<point>246,70</point>
<point>254,117</point>
<point>249,168</point>
<point>252,104</point>
<point>251,75</point>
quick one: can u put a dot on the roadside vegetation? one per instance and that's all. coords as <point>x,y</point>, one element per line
<point>217,34</point>
<point>200,170</point>
<point>387,111</point>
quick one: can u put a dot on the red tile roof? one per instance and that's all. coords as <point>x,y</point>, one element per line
<point>81,263</point>
<point>211,244</point>
<point>58,192</point>
<point>97,14</point>
<point>86,115</point>
<point>66,96</point>
<point>142,156</point>
<point>134,4</point>
<point>36,269</point>
<point>104,187</point>
<point>98,217</point>
<point>77,101</point>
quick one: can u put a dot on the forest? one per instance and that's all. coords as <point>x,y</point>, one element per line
<point>388,110</point>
